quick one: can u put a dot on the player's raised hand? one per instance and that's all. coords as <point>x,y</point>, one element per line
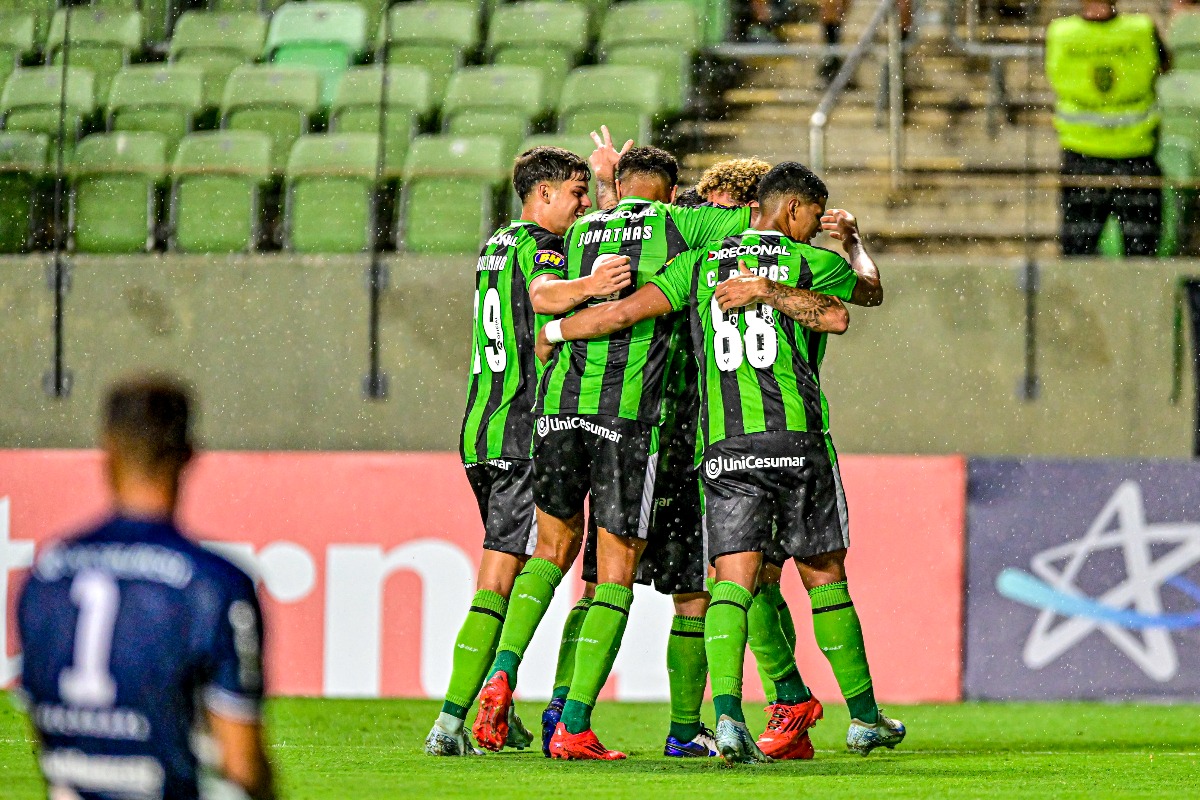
<point>610,274</point>
<point>840,224</point>
<point>738,291</point>
<point>605,157</point>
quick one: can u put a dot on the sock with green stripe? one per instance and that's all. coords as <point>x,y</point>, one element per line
<point>687,672</point>
<point>473,651</point>
<point>774,653</point>
<point>599,640</point>
<point>725,645</point>
<point>531,595</point>
<point>839,635</point>
<point>566,649</point>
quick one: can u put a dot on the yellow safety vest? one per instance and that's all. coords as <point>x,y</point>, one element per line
<point>1103,74</point>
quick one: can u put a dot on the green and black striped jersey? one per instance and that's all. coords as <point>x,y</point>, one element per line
<point>621,375</point>
<point>759,369</point>
<point>504,370</point>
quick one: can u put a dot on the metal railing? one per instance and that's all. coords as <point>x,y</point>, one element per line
<point>889,12</point>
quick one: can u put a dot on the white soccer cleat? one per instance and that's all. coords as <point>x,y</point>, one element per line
<point>862,738</point>
<point>519,737</point>
<point>736,745</point>
<point>449,738</point>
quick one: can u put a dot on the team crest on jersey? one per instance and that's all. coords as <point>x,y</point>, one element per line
<point>548,258</point>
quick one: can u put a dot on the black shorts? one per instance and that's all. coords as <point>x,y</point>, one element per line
<point>612,458</point>
<point>776,493</point>
<point>504,491</point>
<point>676,557</point>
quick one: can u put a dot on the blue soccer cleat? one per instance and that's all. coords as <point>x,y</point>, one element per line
<point>550,718</point>
<point>863,738</point>
<point>703,745</point>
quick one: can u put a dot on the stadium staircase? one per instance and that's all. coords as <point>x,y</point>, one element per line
<point>980,170</point>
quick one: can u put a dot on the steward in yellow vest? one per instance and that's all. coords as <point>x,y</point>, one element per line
<point>1103,67</point>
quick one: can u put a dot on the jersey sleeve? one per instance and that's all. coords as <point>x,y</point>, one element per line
<point>675,280</point>
<point>234,680</point>
<point>706,223</point>
<point>832,274</point>
<point>549,256</point>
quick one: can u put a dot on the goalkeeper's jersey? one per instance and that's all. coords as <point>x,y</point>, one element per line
<point>621,375</point>
<point>759,370</point>
<point>503,381</point>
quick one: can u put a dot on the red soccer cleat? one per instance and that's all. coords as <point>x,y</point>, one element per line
<point>580,746</point>
<point>491,723</point>
<point>786,736</point>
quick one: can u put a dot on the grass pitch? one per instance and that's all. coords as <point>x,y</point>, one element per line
<point>363,749</point>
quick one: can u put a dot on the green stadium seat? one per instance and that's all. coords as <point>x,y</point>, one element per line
<point>497,101</point>
<point>218,43</point>
<point>451,185</point>
<point>551,36</point>
<point>1183,40</point>
<point>1178,150</point>
<point>257,6</point>
<point>31,98</point>
<point>659,35</point>
<point>435,34</point>
<point>156,14</point>
<point>626,99</point>
<point>152,97</point>
<point>216,184</point>
<point>23,161</point>
<point>330,193</point>
<point>102,41</point>
<point>355,107</point>
<point>17,30</point>
<point>274,100</point>
<point>328,36</point>
<point>673,22</point>
<point>115,177</point>
<point>40,10</point>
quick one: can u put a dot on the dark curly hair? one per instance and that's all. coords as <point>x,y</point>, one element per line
<point>550,164</point>
<point>791,179</point>
<point>649,161</point>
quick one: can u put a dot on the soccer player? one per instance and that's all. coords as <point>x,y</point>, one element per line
<point>519,279</point>
<point>134,635</point>
<point>770,473</point>
<point>600,405</point>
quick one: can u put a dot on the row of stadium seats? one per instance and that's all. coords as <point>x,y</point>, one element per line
<point>284,103</point>
<point>216,182</point>
<point>331,36</point>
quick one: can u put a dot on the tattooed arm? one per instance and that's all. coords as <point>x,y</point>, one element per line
<point>822,313</point>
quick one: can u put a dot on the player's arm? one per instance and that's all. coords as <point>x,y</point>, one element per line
<point>551,294</point>
<point>603,162</point>
<point>646,303</point>
<point>842,225</point>
<point>818,312</point>
<point>243,757</point>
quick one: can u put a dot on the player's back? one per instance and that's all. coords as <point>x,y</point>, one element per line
<point>503,383</point>
<point>128,631</point>
<point>621,375</point>
<point>759,369</point>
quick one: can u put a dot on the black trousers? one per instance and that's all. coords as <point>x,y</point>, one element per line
<point>1085,210</point>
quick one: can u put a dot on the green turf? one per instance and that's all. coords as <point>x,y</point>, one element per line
<point>327,749</point>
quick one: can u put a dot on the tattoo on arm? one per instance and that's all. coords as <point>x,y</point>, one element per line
<point>805,307</point>
<point>606,195</point>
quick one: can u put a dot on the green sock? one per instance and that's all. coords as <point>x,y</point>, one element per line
<point>725,645</point>
<point>566,649</point>
<point>687,671</point>
<point>768,641</point>
<point>839,635</point>
<point>531,595</point>
<point>599,641</point>
<point>474,650</point>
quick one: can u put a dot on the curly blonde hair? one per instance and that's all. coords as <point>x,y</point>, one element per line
<point>738,177</point>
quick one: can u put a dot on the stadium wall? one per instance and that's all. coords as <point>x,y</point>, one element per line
<point>367,563</point>
<point>277,346</point>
